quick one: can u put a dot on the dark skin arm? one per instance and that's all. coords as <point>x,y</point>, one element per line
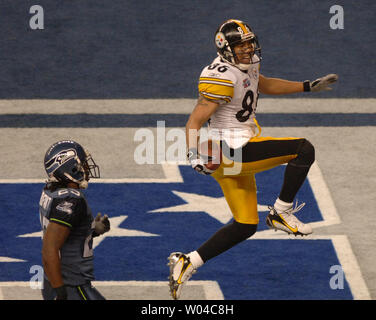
<point>53,239</point>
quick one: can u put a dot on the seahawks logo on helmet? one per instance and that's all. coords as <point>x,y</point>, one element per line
<point>60,158</point>
<point>67,161</point>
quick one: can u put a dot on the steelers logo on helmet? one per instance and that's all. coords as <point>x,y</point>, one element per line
<point>220,40</point>
<point>232,33</point>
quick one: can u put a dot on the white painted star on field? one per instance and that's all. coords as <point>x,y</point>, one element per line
<point>217,208</point>
<point>8,259</point>
<point>115,231</point>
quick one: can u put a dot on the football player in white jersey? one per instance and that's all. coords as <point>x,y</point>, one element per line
<point>229,89</point>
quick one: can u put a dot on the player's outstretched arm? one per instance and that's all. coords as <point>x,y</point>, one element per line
<point>276,86</point>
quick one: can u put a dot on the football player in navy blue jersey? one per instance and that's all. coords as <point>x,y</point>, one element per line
<point>68,224</point>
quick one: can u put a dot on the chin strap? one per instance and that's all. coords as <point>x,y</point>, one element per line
<point>82,184</point>
<point>52,180</point>
<point>243,66</point>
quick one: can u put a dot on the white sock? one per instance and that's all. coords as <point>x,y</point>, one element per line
<point>281,206</point>
<point>195,259</point>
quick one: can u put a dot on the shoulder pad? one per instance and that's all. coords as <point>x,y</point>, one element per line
<point>67,192</point>
<point>217,82</point>
<point>219,70</point>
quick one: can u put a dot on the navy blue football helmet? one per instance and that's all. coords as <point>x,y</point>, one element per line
<point>67,161</point>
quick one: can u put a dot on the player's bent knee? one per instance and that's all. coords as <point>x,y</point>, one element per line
<point>309,151</point>
<point>306,154</point>
<point>244,230</point>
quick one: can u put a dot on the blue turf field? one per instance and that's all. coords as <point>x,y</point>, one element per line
<point>255,269</point>
<point>92,49</point>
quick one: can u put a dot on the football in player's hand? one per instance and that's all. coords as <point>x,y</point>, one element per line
<point>211,153</point>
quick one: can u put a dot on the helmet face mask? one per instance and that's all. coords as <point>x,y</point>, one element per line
<point>229,35</point>
<point>90,167</point>
<point>66,161</point>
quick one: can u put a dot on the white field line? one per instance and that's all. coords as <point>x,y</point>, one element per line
<point>350,267</point>
<point>211,288</point>
<point>323,198</point>
<point>341,243</point>
<point>171,172</point>
<point>344,253</point>
<point>178,106</point>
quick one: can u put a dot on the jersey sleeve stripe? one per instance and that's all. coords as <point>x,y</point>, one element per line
<point>219,83</point>
<point>215,97</point>
<point>61,222</point>
<point>218,91</point>
<point>223,81</point>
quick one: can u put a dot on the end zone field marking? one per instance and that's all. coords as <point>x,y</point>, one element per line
<point>323,198</point>
<point>350,267</point>
<point>211,288</point>
<point>344,253</point>
<point>8,259</point>
<point>325,203</point>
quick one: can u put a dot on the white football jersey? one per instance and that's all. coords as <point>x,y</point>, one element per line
<point>237,93</point>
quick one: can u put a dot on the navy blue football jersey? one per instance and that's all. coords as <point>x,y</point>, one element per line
<point>69,208</point>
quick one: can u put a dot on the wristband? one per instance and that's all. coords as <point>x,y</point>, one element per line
<point>306,86</point>
<point>61,293</point>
